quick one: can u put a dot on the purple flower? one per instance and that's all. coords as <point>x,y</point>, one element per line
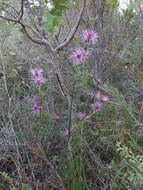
<point>66,132</point>
<point>98,95</point>
<point>35,109</point>
<point>35,99</point>
<point>37,76</point>
<point>79,56</point>
<point>39,80</point>
<point>102,97</point>
<point>89,36</point>
<point>82,116</point>
<point>36,72</point>
<point>96,107</point>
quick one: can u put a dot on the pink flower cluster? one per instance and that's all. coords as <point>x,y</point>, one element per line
<point>98,106</point>
<point>82,116</point>
<point>101,97</point>
<point>89,36</point>
<point>35,107</point>
<point>37,76</point>
<point>80,55</point>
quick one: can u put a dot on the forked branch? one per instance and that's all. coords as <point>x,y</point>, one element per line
<point>42,41</point>
<point>73,31</point>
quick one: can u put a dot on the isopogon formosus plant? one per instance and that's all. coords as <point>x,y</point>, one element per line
<point>78,57</point>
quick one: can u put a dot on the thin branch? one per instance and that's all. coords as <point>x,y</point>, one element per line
<point>10,7</point>
<point>34,32</point>
<point>58,34</point>
<point>8,19</point>
<point>24,27</point>
<point>45,41</point>
<point>70,116</point>
<point>73,31</point>
<point>61,87</point>
<point>22,10</point>
<point>38,28</point>
<point>67,21</point>
<point>37,41</point>
<point>18,20</point>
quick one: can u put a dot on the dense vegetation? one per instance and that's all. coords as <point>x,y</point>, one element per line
<point>71,95</point>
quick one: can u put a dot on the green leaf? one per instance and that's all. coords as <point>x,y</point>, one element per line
<point>112,4</point>
<point>130,110</point>
<point>53,18</point>
<point>118,97</point>
<point>26,187</point>
<point>52,21</point>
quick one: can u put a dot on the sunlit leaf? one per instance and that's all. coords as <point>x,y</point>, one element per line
<point>112,4</point>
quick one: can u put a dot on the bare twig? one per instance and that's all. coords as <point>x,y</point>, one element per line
<point>20,15</point>
<point>61,87</point>
<point>73,31</point>
<point>22,10</point>
<point>70,114</point>
<point>8,19</point>
<point>45,41</point>
<point>33,31</point>
<point>24,27</point>
<point>9,6</point>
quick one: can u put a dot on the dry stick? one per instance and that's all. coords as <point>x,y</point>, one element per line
<point>73,31</point>
<point>22,10</point>
<point>58,34</point>
<point>45,41</point>
<point>70,115</point>
<point>12,20</point>
<point>36,25</point>
<point>22,13</point>
<point>37,41</point>
<point>59,77</point>
<point>34,32</point>
<point>24,27</point>
<point>67,21</point>
<point>40,42</point>
<point>8,19</point>
<point>10,7</point>
<point>61,86</point>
